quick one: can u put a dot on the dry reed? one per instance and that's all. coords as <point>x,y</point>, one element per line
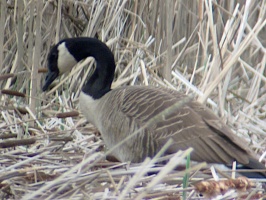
<point>215,50</point>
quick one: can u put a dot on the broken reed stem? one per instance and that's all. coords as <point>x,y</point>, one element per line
<point>62,139</point>
<point>42,70</point>
<point>22,110</point>
<point>13,93</point>
<point>18,142</point>
<point>7,136</point>
<point>67,114</point>
<point>6,76</point>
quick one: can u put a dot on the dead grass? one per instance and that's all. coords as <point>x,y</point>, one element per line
<point>215,50</point>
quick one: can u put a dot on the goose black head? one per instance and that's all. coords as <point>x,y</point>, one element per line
<point>60,60</point>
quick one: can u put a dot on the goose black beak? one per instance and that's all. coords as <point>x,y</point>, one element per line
<point>50,77</point>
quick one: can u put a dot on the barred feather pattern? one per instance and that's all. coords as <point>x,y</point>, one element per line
<point>127,110</point>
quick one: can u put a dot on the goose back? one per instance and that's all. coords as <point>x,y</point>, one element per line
<point>128,109</point>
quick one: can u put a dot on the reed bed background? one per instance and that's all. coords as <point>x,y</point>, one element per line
<point>215,50</point>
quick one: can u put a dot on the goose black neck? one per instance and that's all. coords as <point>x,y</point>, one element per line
<point>100,81</point>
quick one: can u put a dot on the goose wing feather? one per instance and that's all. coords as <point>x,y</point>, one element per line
<point>191,125</point>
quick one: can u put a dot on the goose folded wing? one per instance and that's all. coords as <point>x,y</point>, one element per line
<point>189,125</point>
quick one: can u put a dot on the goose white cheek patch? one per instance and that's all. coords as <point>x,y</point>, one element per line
<point>65,60</point>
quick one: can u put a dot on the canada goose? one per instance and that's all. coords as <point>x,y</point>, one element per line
<point>119,112</point>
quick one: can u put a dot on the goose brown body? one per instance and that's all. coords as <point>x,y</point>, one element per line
<point>189,125</point>
<point>131,110</point>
